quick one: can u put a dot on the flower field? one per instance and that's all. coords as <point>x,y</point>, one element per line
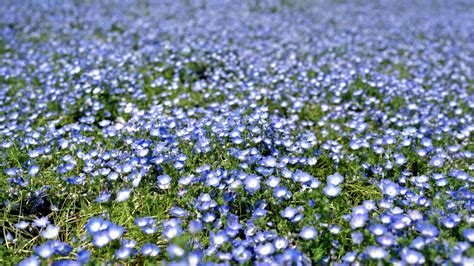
<point>255,132</point>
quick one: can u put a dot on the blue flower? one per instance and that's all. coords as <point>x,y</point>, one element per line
<point>357,237</point>
<point>83,256</point>
<point>103,197</point>
<point>390,188</point>
<point>358,220</point>
<point>164,181</point>
<point>195,226</point>
<point>41,222</point>
<point>219,238</point>
<point>101,239</point>
<point>378,229</point>
<point>375,252</point>
<point>331,190</point>
<point>175,251</point>
<point>427,229</point>
<point>172,231</point>
<point>468,234</point>
<point>281,192</point>
<point>95,224</point>
<point>147,224</point>
<point>289,212</point>
<point>115,231</point>
<point>252,183</point>
<point>194,258</point>
<point>128,243</point>
<point>301,176</point>
<point>33,170</point>
<point>400,159</point>
<point>66,263</point>
<point>418,243</point>
<point>123,195</point>
<point>334,229</point>
<point>150,250</point>
<point>437,161</point>
<point>124,253</point>
<point>411,257</point>
<point>272,181</point>
<point>335,179</point>
<point>308,233</point>
<point>265,249</point>
<point>30,261</point>
<point>45,250</point>
<point>386,240</point>
<point>280,243</point>
<point>349,257</point>
<point>50,232</point>
<point>241,254</point>
<point>22,225</point>
<point>268,162</point>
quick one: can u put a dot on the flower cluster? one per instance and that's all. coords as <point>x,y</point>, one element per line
<point>236,132</point>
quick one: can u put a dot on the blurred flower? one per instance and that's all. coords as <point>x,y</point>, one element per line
<point>50,232</point>
<point>308,233</point>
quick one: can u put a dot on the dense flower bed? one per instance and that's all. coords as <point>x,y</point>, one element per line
<point>236,132</point>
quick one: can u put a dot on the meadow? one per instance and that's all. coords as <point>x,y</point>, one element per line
<point>236,132</point>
